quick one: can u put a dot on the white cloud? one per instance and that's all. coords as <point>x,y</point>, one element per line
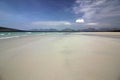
<point>80,21</point>
<point>92,24</point>
<point>50,23</point>
<point>98,11</point>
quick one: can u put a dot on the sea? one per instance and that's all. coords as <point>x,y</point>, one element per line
<point>6,35</point>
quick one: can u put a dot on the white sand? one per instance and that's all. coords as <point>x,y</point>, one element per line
<point>60,57</point>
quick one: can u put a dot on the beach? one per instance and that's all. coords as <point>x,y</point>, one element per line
<point>60,56</point>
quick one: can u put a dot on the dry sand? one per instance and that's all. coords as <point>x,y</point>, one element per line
<point>61,57</point>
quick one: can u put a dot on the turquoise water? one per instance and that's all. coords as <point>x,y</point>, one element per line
<point>8,34</point>
<point>18,34</point>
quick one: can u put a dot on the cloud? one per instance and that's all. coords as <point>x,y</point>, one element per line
<point>99,11</point>
<point>80,21</point>
<point>92,24</point>
<point>50,23</point>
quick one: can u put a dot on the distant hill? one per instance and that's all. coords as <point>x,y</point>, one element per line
<point>3,29</point>
<point>77,30</point>
<point>8,29</point>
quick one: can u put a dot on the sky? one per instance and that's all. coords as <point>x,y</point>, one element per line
<point>59,14</point>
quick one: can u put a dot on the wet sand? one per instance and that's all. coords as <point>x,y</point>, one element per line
<point>71,56</point>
